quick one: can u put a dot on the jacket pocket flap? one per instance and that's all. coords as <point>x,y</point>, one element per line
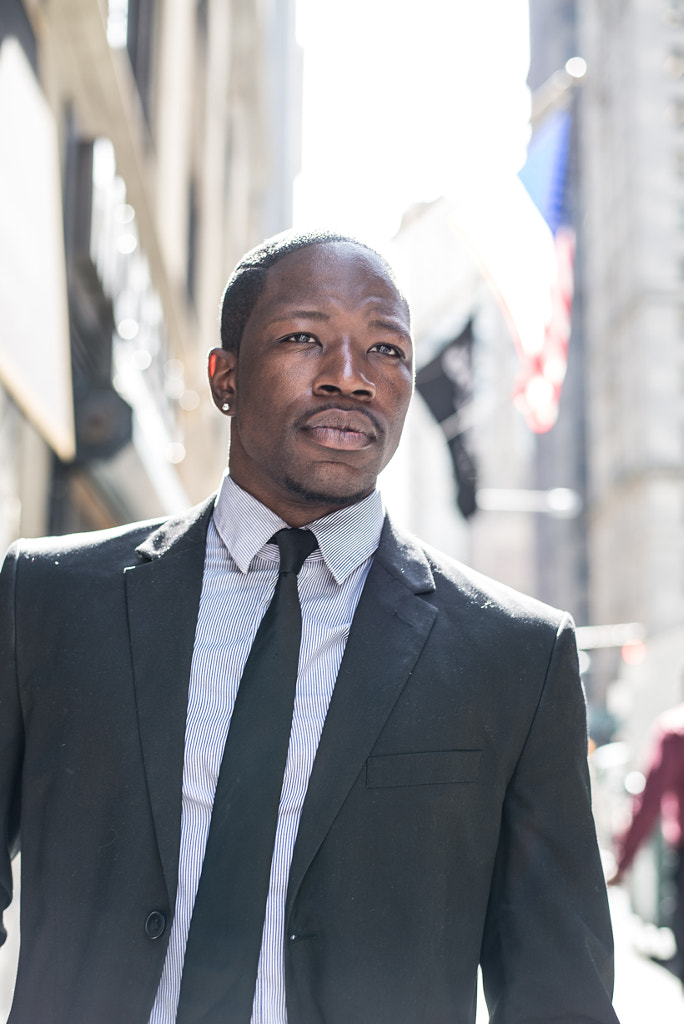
<point>430,768</point>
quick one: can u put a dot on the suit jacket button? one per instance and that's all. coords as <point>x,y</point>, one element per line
<point>155,925</point>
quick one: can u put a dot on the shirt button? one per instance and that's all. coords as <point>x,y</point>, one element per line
<point>293,938</point>
<point>155,924</point>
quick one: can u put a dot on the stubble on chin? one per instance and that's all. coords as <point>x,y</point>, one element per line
<point>325,497</point>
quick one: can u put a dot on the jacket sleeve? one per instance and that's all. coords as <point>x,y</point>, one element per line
<point>547,947</point>
<point>661,777</point>
<point>11,733</point>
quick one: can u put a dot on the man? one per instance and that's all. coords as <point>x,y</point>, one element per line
<point>434,812</point>
<point>661,798</point>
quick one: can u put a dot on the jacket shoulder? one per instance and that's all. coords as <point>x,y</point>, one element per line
<point>115,546</point>
<point>455,585</point>
<point>486,592</point>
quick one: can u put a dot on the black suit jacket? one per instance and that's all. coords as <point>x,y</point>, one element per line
<point>447,820</point>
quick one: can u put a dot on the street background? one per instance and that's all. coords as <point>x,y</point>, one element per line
<point>520,163</point>
<point>644,991</point>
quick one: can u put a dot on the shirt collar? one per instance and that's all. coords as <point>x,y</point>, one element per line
<point>346,538</point>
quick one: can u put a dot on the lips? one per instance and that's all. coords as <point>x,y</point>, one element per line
<point>349,430</point>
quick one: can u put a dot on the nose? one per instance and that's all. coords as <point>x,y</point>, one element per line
<point>343,370</point>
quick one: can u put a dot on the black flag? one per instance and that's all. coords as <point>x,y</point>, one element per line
<point>446,384</point>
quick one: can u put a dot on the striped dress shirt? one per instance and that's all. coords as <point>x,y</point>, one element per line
<point>240,574</point>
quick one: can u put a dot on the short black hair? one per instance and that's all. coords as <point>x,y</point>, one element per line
<point>248,280</point>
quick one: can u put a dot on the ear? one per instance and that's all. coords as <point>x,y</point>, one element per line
<point>222,370</point>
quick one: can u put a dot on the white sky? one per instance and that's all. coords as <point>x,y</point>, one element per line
<point>405,100</point>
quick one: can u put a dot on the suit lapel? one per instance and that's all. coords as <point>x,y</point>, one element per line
<point>368,684</point>
<point>163,593</point>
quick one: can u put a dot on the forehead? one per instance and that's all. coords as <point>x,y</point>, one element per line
<point>331,273</point>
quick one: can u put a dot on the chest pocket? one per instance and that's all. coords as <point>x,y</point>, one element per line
<point>427,768</point>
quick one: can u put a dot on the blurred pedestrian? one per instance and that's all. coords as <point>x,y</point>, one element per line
<point>661,799</point>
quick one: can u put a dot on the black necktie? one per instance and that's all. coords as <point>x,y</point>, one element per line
<point>222,953</point>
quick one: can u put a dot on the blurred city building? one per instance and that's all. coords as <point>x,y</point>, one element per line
<point>620,428</point>
<point>146,145</point>
<point>632,170</point>
<point>561,556</point>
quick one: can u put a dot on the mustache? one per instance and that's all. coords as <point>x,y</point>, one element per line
<point>303,421</point>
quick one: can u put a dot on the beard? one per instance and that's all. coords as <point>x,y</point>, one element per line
<point>325,497</point>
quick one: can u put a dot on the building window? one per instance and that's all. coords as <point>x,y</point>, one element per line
<point>130,25</point>
<point>141,18</point>
<point>14,22</point>
<point>192,242</point>
<point>117,24</point>
<point>201,16</point>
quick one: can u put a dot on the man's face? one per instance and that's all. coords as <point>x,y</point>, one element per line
<point>321,385</point>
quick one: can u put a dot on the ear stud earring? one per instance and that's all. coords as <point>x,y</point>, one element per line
<point>225,407</point>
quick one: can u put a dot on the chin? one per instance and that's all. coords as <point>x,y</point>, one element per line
<point>319,492</point>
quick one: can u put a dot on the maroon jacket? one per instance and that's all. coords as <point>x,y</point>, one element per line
<point>664,790</point>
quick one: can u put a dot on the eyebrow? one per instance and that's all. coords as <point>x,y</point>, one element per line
<point>391,325</point>
<point>302,314</point>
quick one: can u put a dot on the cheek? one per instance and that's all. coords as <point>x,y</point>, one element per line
<point>263,414</point>
<point>399,394</point>
<point>278,385</point>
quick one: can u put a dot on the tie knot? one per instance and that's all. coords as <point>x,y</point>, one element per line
<point>295,547</point>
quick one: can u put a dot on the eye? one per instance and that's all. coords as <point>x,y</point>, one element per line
<point>385,349</point>
<point>300,338</point>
